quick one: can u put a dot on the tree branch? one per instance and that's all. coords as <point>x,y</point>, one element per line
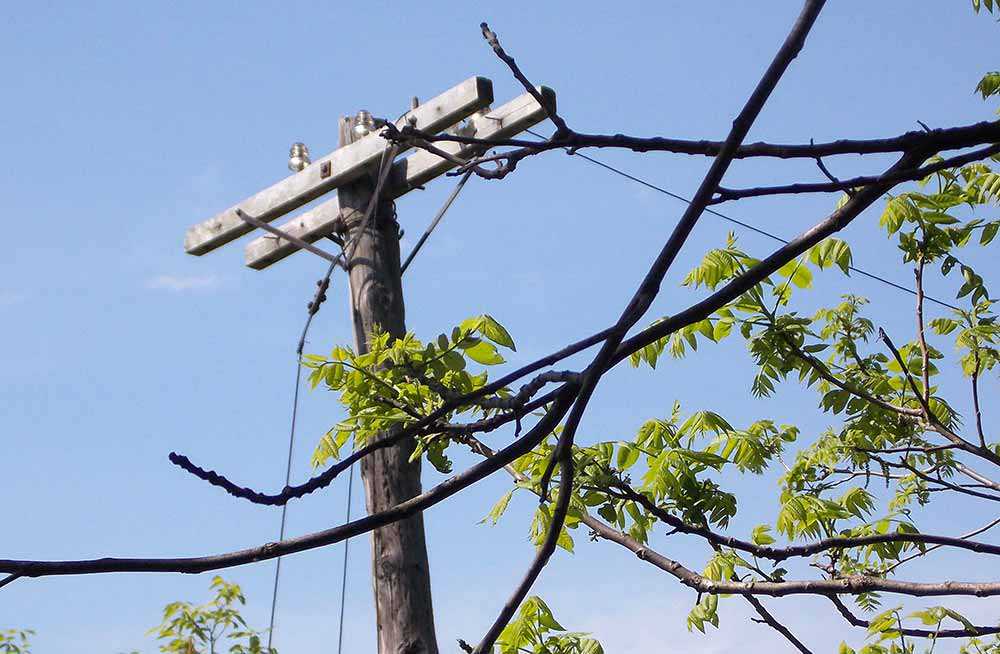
<point>919,633</point>
<point>771,621</point>
<point>833,223</point>
<point>778,554</point>
<point>647,292</point>
<point>727,195</point>
<point>267,551</point>
<point>952,138</point>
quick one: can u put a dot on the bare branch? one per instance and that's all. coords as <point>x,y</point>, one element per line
<point>325,478</point>
<point>974,532</point>
<point>778,554</point>
<point>727,195</point>
<point>975,399</point>
<point>774,624</point>
<point>919,633</point>
<point>952,138</point>
<point>267,551</point>
<point>541,557</point>
<point>544,102</point>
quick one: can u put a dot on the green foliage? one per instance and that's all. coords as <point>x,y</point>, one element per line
<point>15,641</point>
<point>205,629</point>
<point>536,631</point>
<point>398,381</point>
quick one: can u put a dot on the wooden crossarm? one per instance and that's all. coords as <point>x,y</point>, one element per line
<point>342,166</point>
<point>503,122</point>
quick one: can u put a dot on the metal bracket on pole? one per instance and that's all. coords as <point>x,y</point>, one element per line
<point>250,220</point>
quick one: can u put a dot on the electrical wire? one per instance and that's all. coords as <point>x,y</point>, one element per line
<point>742,224</point>
<point>437,219</point>
<point>284,508</point>
<point>343,577</point>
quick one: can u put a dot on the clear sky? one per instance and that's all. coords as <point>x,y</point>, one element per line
<point>124,123</point>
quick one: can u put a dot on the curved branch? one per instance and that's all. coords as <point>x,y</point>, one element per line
<point>919,633</point>
<point>850,585</point>
<point>825,373</point>
<point>325,478</point>
<point>778,554</point>
<point>727,195</point>
<point>317,539</point>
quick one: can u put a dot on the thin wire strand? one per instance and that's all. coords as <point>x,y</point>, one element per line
<point>437,219</point>
<point>343,577</point>
<point>288,478</point>
<point>742,224</point>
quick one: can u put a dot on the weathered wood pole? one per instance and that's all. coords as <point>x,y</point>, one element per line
<point>400,572</point>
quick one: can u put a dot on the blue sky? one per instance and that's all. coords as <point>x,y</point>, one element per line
<point>124,123</point>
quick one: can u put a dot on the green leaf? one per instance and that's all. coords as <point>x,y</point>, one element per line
<point>485,353</point>
<point>496,332</point>
<point>798,272</point>
<point>989,232</point>
<point>627,456</point>
<point>498,509</point>
<point>761,535</point>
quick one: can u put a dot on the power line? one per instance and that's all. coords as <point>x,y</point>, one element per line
<point>742,224</point>
<point>437,219</point>
<point>343,577</point>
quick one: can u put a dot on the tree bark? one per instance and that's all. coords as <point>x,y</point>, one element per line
<point>400,571</point>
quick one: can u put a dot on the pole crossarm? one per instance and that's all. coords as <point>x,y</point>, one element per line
<point>340,167</point>
<point>407,174</point>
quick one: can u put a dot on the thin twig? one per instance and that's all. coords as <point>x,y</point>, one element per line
<point>774,624</point>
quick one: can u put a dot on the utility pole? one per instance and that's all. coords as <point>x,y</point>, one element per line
<point>400,571</point>
<point>401,578</point>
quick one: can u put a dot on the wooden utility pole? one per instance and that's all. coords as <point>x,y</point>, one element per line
<point>400,572</point>
<point>401,578</point>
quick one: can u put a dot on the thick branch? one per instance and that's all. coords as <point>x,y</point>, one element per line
<point>419,503</point>
<point>952,138</point>
<point>647,292</point>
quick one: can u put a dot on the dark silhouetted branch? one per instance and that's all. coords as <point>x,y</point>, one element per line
<point>727,195</point>
<point>314,540</point>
